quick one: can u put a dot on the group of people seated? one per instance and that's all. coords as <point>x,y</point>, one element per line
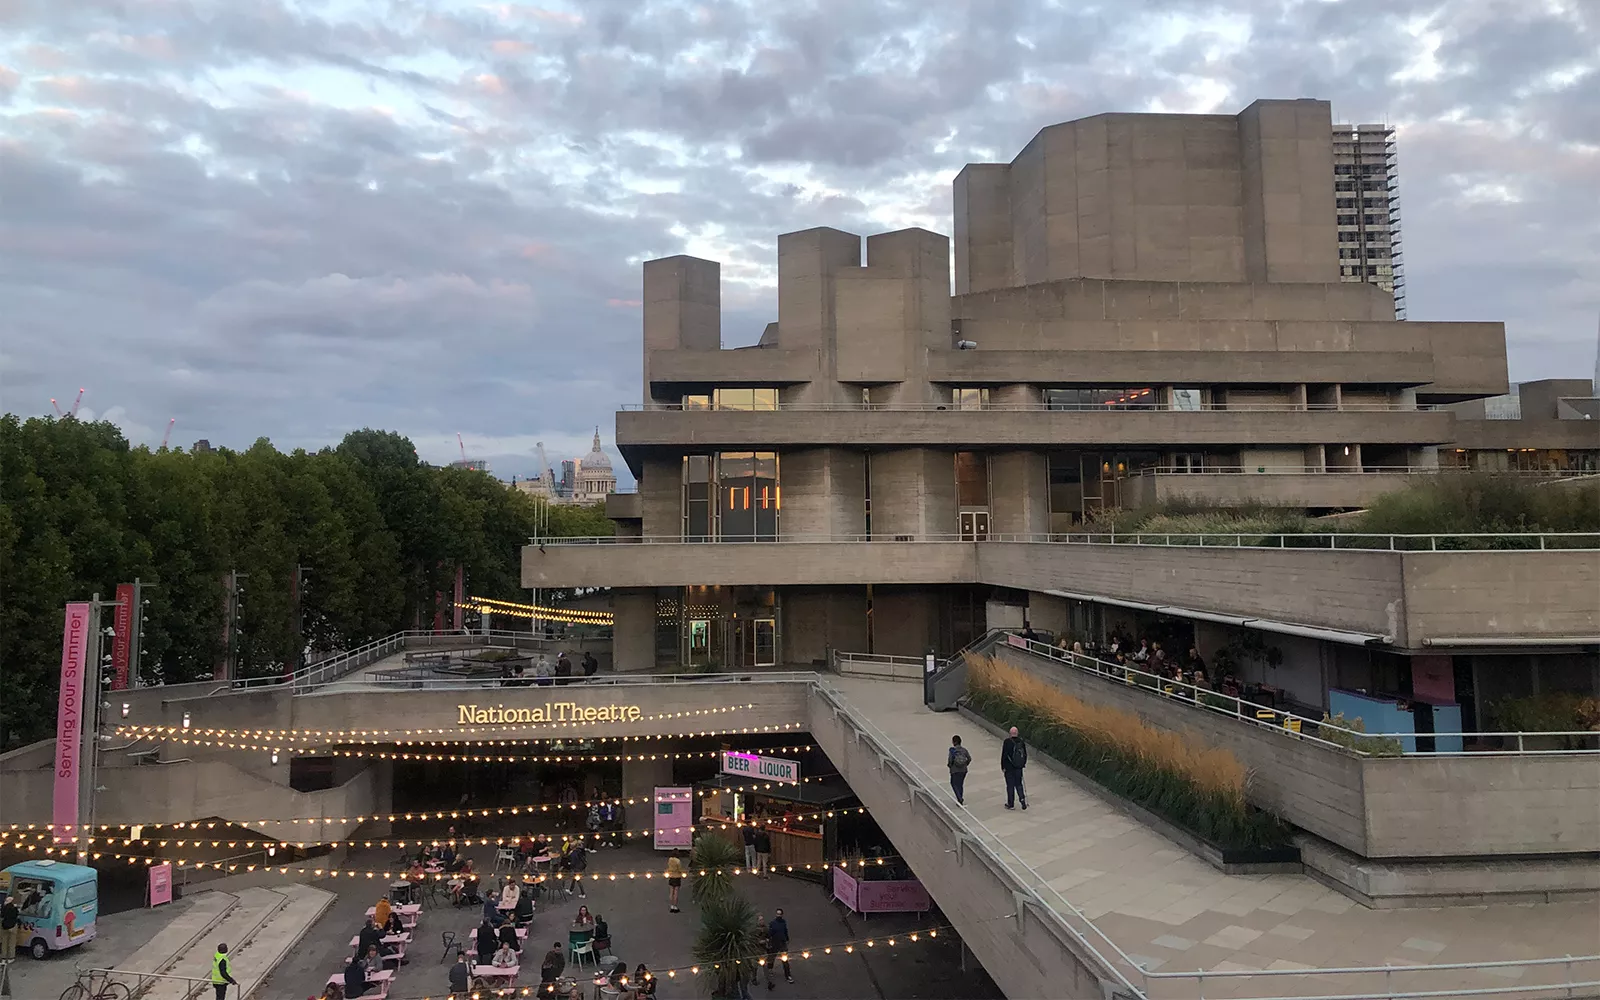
<point>1149,657</point>
<point>515,673</point>
<point>370,953</point>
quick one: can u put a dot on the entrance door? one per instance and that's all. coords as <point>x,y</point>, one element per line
<point>974,525</point>
<point>766,642</point>
<point>699,641</point>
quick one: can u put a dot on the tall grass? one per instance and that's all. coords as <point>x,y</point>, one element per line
<point>1198,787</point>
<point>1474,502</point>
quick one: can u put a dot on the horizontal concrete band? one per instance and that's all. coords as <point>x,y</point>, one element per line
<point>1411,596</point>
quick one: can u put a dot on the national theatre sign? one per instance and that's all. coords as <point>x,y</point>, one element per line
<point>550,711</point>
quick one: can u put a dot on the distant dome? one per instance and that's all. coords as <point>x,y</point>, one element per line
<point>596,461</point>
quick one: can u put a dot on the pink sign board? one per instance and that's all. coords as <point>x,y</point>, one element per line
<point>1016,640</point>
<point>674,818</point>
<point>69,719</point>
<point>161,883</point>
<point>863,896</point>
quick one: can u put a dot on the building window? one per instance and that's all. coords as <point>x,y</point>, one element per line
<point>1102,399</point>
<point>1188,398</point>
<point>697,401</point>
<point>972,479</point>
<point>1347,220</point>
<point>747,496</point>
<point>969,399</point>
<point>745,399</point>
<point>1348,237</point>
<point>1344,203</point>
<point>697,498</point>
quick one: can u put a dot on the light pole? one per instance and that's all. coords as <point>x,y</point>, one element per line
<point>89,765</point>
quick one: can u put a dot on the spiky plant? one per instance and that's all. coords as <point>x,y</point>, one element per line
<point>711,863</point>
<point>728,943</point>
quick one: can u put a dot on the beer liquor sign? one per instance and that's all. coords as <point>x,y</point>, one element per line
<point>749,765</point>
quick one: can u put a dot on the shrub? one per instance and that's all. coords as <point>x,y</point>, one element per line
<point>1200,788</point>
<point>1480,502</point>
<point>728,940</point>
<point>710,862</point>
<point>1377,746</point>
<point>1555,712</point>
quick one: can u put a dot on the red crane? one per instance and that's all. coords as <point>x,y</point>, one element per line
<point>72,412</point>
<point>463,446</point>
<point>168,435</point>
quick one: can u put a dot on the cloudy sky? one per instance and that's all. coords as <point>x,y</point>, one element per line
<point>282,218</point>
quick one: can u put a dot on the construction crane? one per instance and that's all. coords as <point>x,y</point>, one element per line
<point>547,476</point>
<point>168,435</point>
<point>463,446</point>
<point>75,404</point>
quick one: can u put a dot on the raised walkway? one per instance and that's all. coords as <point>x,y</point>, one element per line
<point>1164,916</point>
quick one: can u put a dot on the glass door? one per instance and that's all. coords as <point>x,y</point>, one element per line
<point>974,525</point>
<point>699,642</point>
<point>766,642</point>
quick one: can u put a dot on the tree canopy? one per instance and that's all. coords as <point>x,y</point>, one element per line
<point>375,534</point>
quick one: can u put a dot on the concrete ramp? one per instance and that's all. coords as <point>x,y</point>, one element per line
<point>187,929</point>
<point>240,927</point>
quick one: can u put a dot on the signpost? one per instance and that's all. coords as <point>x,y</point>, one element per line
<point>160,890</point>
<point>749,765</point>
<point>674,818</point>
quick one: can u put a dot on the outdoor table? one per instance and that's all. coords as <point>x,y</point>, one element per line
<point>509,973</point>
<point>392,939</point>
<point>383,978</point>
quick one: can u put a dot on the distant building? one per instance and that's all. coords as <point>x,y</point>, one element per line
<point>1366,198</point>
<point>474,464</point>
<point>201,446</point>
<point>582,480</point>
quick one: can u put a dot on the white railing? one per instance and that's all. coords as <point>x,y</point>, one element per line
<point>879,665</point>
<point>1449,542</point>
<point>1375,981</point>
<point>341,664</point>
<point>413,679</point>
<point>1031,407</point>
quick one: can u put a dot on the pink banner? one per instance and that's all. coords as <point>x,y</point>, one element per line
<point>122,643</point>
<point>845,889</point>
<point>892,897</point>
<point>69,719</point>
<point>161,883</point>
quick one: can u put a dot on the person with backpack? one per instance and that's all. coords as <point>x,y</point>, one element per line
<point>1013,758</point>
<point>958,760</point>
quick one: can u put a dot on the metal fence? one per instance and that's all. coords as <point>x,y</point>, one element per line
<point>880,666</point>
<point>1457,542</point>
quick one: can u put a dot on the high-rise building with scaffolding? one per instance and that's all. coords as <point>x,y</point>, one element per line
<point>1366,185</point>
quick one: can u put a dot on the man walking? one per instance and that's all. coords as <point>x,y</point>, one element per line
<point>778,946</point>
<point>1013,758</point>
<point>959,759</point>
<point>221,974</point>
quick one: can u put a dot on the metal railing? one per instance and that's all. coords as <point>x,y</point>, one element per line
<point>879,665</point>
<point>339,665</point>
<point>1032,407</point>
<point>1127,970</point>
<point>1329,470</point>
<point>1299,727</point>
<point>1443,542</point>
<point>417,678</point>
<point>138,982</point>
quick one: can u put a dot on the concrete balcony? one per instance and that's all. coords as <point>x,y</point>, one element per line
<point>1112,367</point>
<point>1025,428</point>
<point>1277,488</point>
<point>673,563</point>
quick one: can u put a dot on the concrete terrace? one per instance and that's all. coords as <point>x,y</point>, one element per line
<point>1168,911</point>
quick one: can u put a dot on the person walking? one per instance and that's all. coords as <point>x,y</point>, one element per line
<point>1013,758</point>
<point>10,921</point>
<point>748,834</point>
<point>958,760</point>
<point>460,974</point>
<point>778,946</point>
<point>764,852</point>
<point>221,973</point>
<point>674,881</point>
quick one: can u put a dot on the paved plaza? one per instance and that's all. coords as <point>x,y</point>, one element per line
<point>1170,911</point>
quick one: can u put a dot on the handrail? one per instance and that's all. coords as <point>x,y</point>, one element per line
<point>1334,540</point>
<point>383,679</point>
<point>1036,885</point>
<point>952,407</point>
<point>339,664</point>
<point>1330,470</point>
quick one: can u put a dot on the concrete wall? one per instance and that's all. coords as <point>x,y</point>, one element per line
<point>913,492</point>
<point>682,308</point>
<point>905,621</point>
<point>1500,435</point>
<point>1027,956</point>
<point>1019,492</point>
<point>824,492</point>
<point>819,619</point>
<point>634,630</point>
<point>1286,150</point>
<point>752,564</point>
<point>1502,594</point>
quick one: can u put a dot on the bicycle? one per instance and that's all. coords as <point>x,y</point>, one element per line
<point>86,987</point>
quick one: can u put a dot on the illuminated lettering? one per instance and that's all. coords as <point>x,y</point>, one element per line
<point>551,711</point>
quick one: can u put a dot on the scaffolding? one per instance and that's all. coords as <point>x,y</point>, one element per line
<point>1367,200</point>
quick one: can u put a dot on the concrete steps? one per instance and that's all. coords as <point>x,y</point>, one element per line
<point>239,926</point>
<point>281,933</point>
<point>200,916</point>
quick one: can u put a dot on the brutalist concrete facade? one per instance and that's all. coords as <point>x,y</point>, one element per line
<point>1144,306</point>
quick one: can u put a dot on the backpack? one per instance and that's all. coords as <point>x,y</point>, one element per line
<point>1016,753</point>
<point>960,758</point>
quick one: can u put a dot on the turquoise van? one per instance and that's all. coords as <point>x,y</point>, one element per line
<point>58,903</point>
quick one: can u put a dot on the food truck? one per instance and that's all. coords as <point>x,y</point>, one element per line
<point>58,903</point>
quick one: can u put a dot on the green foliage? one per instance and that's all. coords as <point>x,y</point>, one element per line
<point>716,858</point>
<point>1552,712</point>
<point>1222,820</point>
<point>727,944</point>
<point>1377,746</point>
<point>379,535</point>
<point>1484,502</point>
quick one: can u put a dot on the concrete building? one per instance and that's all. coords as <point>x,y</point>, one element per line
<point>1144,306</point>
<point>582,481</point>
<point>1366,181</point>
<point>1551,426</point>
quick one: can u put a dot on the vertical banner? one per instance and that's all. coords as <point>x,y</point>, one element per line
<point>122,644</point>
<point>160,890</point>
<point>69,719</point>
<point>460,596</point>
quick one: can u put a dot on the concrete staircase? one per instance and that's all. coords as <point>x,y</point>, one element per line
<point>260,925</point>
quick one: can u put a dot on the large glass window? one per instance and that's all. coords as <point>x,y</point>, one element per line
<point>763,398</point>
<point>1132,398</point>
<point>697,498</point>
<point>747,495</point>
<point>969,399</point>
<point>972,479</point>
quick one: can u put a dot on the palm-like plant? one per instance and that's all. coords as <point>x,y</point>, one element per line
<point>711,862</point>
<point>729,940</point>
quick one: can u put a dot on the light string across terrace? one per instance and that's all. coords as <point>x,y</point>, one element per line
<point>540,808</point>
<point>558,758</point>
<point>19,837</point>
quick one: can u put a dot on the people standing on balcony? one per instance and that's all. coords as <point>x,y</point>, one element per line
<point>590,664</point>
<point>1013,758</point>
<point>763,852</point>
<point>563,668</point>
<point>958,760</point>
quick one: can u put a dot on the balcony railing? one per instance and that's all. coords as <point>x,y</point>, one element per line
<point>1456,542</point>
<point>1352,407</point>
<point>1328,470</point>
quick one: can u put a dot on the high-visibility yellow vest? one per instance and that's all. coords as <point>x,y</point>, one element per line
<point>216,967</point>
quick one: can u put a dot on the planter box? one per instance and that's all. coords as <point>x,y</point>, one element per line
<point>1283,860</point>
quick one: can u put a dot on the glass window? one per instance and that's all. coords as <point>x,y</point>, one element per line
<point>701,401</point>
<point>747,496</point>
<point>969,399</point>
<point>1187,398</point>
<point>765,398</point>
<point>1108,399</point>
<point>972,479</point>
<point>697,497</point>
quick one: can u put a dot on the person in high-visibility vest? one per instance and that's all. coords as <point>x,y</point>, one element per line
<point>221,974</point>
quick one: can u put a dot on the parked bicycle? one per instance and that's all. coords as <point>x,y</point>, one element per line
<point>96,984</point>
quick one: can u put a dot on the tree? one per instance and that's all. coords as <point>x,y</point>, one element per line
<point>728,944</point>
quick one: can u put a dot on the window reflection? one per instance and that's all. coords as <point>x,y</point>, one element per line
<point>758,398</point>
<point>1143,398</point>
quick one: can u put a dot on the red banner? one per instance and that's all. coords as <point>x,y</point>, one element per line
<point>69,720</point>
<point>457,598</point>
<point>122,644</point>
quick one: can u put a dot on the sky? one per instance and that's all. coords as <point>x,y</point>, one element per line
<point>293,219</point>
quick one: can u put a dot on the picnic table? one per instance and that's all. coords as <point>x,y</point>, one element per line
<point>506,972</point>
<point>409,913</point>
<point>383,980</point>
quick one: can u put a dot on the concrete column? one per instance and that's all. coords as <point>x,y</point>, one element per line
<point>1289,230</point>
<point>633,647</point>
<point>913,492</point>
<point>983,227</point>
<point>807,262</point>
<point>905,620</point>
<point>639,780</point>
<point>1019,493</point>
<point>920,260</point>
<point>823,492</point>
<point>383,798</point>
<point>817,619</point>
<point>661,497</point>
<point>1020,396</point>
<point>682,307</point>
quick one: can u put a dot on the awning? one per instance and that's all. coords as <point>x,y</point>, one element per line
<point>1265,624</point>
<point>1511,641</point>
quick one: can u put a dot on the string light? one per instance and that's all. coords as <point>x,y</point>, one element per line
<point>19,837</point>
<point>487,758</point>
<point>569,616</point>
<point>388,735</point>
<point>647,875</point>
<point>442,814</point>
